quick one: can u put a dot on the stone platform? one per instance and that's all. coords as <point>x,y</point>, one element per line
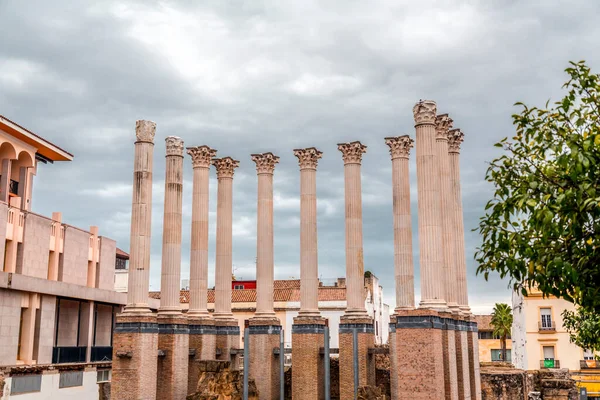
<point>307,341</point>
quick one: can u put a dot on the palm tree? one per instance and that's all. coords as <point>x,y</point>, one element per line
<point>502,320</point>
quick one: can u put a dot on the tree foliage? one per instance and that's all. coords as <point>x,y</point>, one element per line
<point>542,226</point>
<point>502,320</point>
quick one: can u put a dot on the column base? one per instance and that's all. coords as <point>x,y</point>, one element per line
<point>366,361</point>
<point>264,365</point>
<point>307,341</point>
<point>173,342</point>
<point>227,338</point>
<point>202,344</point>
<point>462,360</point>
<point>417,367</point>
<point>434,304</point>
<point>474,372</point>
<point>134,361</point>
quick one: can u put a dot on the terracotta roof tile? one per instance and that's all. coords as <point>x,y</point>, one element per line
<point>122,254</point>
<point>287,284</point>
<point>484,322</point>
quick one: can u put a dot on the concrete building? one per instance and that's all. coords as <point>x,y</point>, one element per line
<point>540,340</point>
<point>490,347</point>
<point>286,296</point>
<point>57,298</point>
<point>121,271</point>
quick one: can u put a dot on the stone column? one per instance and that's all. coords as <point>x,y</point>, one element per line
<point>264,326</point>
<point>135,339</point>
<point>227,329</point>
<point>308,328</point>
<point>403,258</point>
<point>356,316</point>
<point>173,331</point>
<point>442,124</point>
<point>201,324</point>
<point>430,226</point>
<point>455,138</point>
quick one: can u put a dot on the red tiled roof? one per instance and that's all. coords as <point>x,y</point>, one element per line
<point>287,284</point>
<point>122,254</point>
<point>484,322</point>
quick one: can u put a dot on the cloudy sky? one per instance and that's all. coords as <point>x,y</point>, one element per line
<point>257,76</point>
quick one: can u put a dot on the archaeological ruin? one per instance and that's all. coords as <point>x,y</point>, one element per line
<point>433,346</point>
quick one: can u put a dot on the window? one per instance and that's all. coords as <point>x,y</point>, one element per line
<point>121,263</point>
<point>489,335</point>
<point>70,379</point>
<point>238,286</point>
<point>497,355</point>
<point>588,354</point>
<point>548,352</point>
<point>103,375</point>
<point>546,314</point>
<point>25,384</point>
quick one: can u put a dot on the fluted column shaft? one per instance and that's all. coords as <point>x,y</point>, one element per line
<point>141,219</point>
<point>403,256</point>
<point>443,124</point>
<point>309,274</point>
<point>430,227</point>
<point>223,268</point>
<point>455,138</point>
<point>265,165</point>
<point>201,159</point>
<point>171,250</point>
<point>355,269</point>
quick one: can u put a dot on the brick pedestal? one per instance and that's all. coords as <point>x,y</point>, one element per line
<point>307,341</point>
<point>202,347</point>
<point>474,373</point>
<point>449,351</point>
<point>462,360</point>
<point>416,355</point>
<point>264,365</point>
<point>173,341</point>
<point>366,361</point>
<point>227,338</point>
<point>134,363</point>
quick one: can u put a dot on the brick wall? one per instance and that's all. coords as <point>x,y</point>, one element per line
<point>308,375</point>
<point>264,365</point>
<point>32,258</point>
<point>106,265</point>
<point>74,261</point>
<point>10,316</point>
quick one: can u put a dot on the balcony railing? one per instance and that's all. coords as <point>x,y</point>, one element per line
<point>547,326</point>
<point>68,354</point>
<point>589,364</point>
<point>101,353</point>
<point>549,364</point>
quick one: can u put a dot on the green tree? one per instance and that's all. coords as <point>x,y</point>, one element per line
<point>542,226</point>
<point>502,320</point>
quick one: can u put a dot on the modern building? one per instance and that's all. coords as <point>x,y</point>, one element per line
<point>490,347</point>
<point>57,298</point>
<point>286,293</point>
<point>540,341</point>
<point>121,271</point>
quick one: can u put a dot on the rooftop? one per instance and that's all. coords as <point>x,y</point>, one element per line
<point>484,322</point>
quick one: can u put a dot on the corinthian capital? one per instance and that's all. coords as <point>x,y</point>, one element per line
<point>201,156</point>
<point>174,146</point>
<point>352,152</point>
<point>265,162</point>
<point>145,130</point>
<point>399,146</point>
<point>455,138</point>
<point>424,112</point>
<point>308,158</point>
<point>225,166</point>
<point>443,123</point>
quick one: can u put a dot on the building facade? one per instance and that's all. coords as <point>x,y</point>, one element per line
<point>490,346</point>
<point>57,298</point>
<point>540,340</point>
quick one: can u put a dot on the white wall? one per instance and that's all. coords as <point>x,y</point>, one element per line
<point>50,390</point>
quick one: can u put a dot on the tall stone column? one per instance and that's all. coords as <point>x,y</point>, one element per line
<point>135,339</point>
<point>227,329</point>
<point>173,331</point>
<point>202,338</point>
<point>356,316</point>
<point>430,226</point>
<point>403,258</point>
<point>308,328</point>
<point>264,326</point>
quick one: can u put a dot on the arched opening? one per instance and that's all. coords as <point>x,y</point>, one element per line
<point>22,171</point>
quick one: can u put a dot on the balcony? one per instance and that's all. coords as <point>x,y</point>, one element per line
<point>101,353</point>
<point>68,354</point>
<point>13,187</point>
<point>546,326</point>
<point>589,364</point>
<point>546,364</point>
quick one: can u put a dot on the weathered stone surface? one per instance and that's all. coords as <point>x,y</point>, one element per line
<point>500,381</point>
<point>218,382</point>
<point>103,391</point>
<point>370,393</point>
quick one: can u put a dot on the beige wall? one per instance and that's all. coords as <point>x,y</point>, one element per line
<point>487,345</point>
<point>10,316</point>
<point>103,325</point>
<point>47,330</point>
<point>74,264</point>
<point>3,217</point>
<point>32,259</point>
<point>106,264</point>
<point>67,322</point>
